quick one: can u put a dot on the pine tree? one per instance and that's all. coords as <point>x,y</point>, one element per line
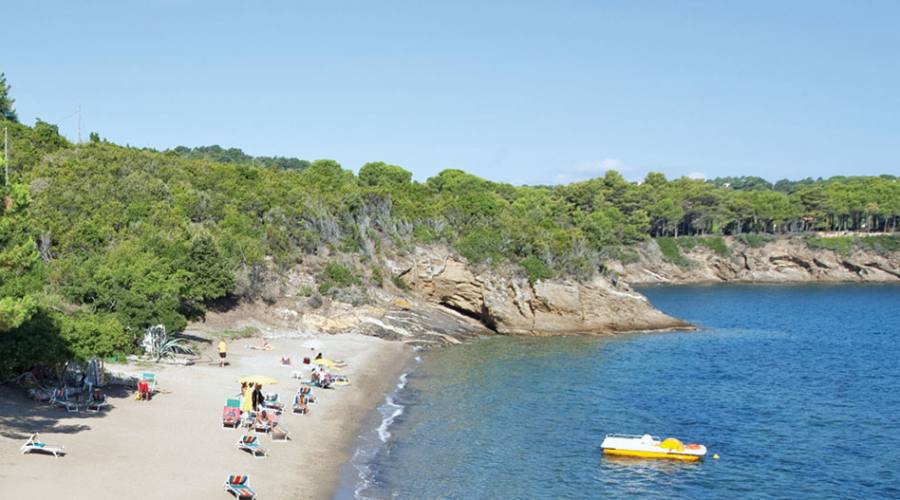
<point>7,111</point>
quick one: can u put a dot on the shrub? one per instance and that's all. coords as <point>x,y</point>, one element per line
<point>377,277</point>
<point>94,335</point>
<point>754,240</point>
<point>424,234</point>
<point>839,244</point>
<point>686,242</point>
<point>535,269</point>
<point>247,331</point>
<point>881,244</point>
<point>336,275</point>
<point>481,244</point>
<point>398,282</point>
<point>716,244</point>
<point>671,252</point>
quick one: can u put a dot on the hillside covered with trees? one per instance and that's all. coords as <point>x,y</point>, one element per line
<point>99,241</point>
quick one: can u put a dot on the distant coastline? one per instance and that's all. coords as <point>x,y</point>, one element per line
<point>832,258</point>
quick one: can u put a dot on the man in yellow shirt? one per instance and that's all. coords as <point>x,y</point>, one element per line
<point>223,350</point>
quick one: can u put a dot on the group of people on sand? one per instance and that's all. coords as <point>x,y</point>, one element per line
<point>251,397</point>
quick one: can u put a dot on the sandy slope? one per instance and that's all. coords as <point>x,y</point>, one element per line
<point>174,446</point>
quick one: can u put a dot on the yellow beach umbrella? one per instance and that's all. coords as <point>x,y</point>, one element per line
<point>258,379</point>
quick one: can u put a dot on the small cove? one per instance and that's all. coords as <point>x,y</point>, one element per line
<point>795,387</point>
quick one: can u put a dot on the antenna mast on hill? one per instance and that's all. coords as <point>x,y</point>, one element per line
<point>79,124</point>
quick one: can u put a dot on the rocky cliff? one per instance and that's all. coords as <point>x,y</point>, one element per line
<point>511,305</point>
<point>440,300</point>
<point>781,260</point>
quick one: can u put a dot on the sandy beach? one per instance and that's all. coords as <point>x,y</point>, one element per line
<point>175,446</point>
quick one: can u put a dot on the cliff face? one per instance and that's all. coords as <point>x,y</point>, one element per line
<point>445,301</point>
<point>782,260</point>
<point>511,305</point>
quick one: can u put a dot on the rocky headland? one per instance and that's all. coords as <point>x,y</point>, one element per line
<point>438,298</point>
<point>778,260</point>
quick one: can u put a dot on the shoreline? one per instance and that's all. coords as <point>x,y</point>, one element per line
<point>175,445</point>
<point>654,284</point>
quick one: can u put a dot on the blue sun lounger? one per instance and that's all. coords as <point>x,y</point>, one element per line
<point>251,444</point>
<point>237,486</point>
<point>35,444</point>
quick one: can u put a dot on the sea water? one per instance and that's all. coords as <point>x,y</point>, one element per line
<point>797,388</point>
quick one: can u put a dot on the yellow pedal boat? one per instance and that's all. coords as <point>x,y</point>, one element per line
<point>648,446</point>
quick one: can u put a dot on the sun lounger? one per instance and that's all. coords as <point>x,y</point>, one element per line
<point>231,417</point>
<point>237,486</point>
<point>251,444</point>
<point>62,399</point>
<point>271,403</point>
<point>300,405</point>
<point>279,433</point>
<point>247,418</point>
<point>265,425</point>
<point>97,402</point>
<point>34,444</point>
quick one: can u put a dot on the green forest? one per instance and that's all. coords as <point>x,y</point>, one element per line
<point>99,241</point>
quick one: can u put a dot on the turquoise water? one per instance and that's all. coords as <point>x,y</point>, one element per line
<point>796,387</point>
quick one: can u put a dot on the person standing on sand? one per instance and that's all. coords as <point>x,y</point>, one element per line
<point>223,351</point>
<point>246,398</point>
<point>257,397</point>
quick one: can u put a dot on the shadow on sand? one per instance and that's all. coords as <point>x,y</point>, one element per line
<point>20,416</point>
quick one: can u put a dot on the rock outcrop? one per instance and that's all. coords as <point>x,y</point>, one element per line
<point>511,305</point>
<point>443,300</point>
<point>782,260</point>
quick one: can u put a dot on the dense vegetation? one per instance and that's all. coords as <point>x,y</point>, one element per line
<point>100,241</point>
<point>235,155</point>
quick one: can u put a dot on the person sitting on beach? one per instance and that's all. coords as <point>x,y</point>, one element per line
<point>286,361</point>
<point>262,420</point>
<point>325,381</point>
<point>319,356</point>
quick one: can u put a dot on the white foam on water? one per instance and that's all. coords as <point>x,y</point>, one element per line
<point>395,411</point>
<point>364,455</point>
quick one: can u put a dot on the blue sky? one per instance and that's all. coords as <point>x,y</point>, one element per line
<point>523,92</point>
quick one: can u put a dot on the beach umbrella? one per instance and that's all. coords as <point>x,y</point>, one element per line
<point>258,379</point>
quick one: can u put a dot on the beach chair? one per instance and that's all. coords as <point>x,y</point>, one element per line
<point>270,402</point>
<point>237,486</point>
<point>35,444</point>
<point>231,417</point>
<point>150,378</point>
<point>266,425</point>
<point>96,402</point>
<point>62,399</point>
<point>279,433</point>
<point>300,406</point>
<point>251,444</point>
